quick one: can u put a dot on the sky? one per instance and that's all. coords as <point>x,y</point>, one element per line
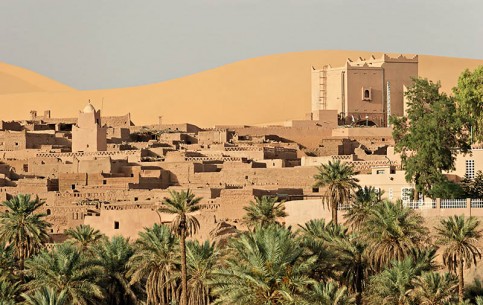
<point>97,44</point>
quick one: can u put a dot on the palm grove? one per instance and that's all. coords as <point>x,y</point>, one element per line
<point>381,253</point>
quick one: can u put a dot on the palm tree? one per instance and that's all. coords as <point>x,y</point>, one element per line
<point>361,206</point>
<point>265,266</point>
<point>7,262</point>
<point>264,211</point>
<point>9,291</point>
<point>432,288</point>
<point>65,269</point>
<point>460,237</point>
<point>113,255</point>
<point>23,227</point>
<point>47,296</point>
<point>201,260</point>
<point>182,204</point>
<point>352,263</point>
<point>156,262</point>
<point>84,236</point>
<point>339,179</point>
<point>392,232</point>
<point>393,285</point>
<point>328,294</point>
<point>315,237</point>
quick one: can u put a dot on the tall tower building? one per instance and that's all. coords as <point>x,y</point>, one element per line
<point>88,135</point>
<point>364,90</point>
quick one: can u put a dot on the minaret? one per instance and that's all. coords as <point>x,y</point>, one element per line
<point>88,135</point>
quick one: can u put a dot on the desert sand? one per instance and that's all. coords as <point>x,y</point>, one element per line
<point>265,89</point>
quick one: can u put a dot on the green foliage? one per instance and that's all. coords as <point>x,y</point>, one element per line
<point>430,136</point>
<point>339,180</point>
<point>264,211</point>
<point>265,266</point>
<point>65,268</point>
<point>364,201</point>
<point>182,204</point>
<point>23,226</point>
<point>201,259</point>
<point>473,188</point>
<point>155,264</point>
<point>395,284</point>
<point>84,237</point>
<point>392,231</point>
<point>447,189</point>
<point>9,290</point>
<point>469,96</point>
<point>315,236</point>
<point>113,256</point>
<point>432,288</point>
<point>47,296</point>
<point>327,294</point>
<point>474,290</point>
<point>459,236</point>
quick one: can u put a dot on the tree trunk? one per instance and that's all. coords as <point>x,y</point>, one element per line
<point>184,274</point>
<point>358,279</point>
<point>334,215</point>
<point>334,206</point>
<point>461,281</point>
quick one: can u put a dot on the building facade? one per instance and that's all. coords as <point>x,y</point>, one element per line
<point>364,92</point>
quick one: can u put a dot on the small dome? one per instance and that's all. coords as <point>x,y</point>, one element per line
<point>89,108</point>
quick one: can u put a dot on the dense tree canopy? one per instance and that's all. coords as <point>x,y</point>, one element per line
<point>430,136</point>
<point>386,259</point>
<point>469,96</point>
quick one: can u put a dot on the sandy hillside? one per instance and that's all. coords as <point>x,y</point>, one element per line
<point>14,80</point>
<point>264,89</point>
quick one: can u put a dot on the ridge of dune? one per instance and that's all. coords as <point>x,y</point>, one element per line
<point>15,79</point>
<point>263,89</point>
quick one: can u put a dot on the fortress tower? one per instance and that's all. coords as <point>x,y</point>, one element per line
<point>88,135</point>
<point>364,90</point>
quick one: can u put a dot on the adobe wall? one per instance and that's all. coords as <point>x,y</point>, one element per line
<point>399,72</point>
<point>308,137</point>
<point>335,88</point>
<point>14,140</point>
<point>301,211</point>
<point>370,79</point>
<point>242,177</point>
<point>130,219</point>
<point>460,162</point>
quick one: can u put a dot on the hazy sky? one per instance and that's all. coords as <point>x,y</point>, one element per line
<point>92,44</point>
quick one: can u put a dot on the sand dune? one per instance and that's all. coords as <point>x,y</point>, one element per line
<point>264,89</point>
<point>15,79</point>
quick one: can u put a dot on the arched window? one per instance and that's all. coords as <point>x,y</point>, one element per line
<point>366,94</point>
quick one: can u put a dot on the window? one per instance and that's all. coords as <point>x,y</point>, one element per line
<point>315,190</point>
<point>73,186</point>
<point>380,172</point>
<point>366,94</point>
<point>470,169</point>
<point>135,198</point>
<point>49,212</point>
<point>116,225</point>
<point>391,195</point>
<point>104,181</point>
